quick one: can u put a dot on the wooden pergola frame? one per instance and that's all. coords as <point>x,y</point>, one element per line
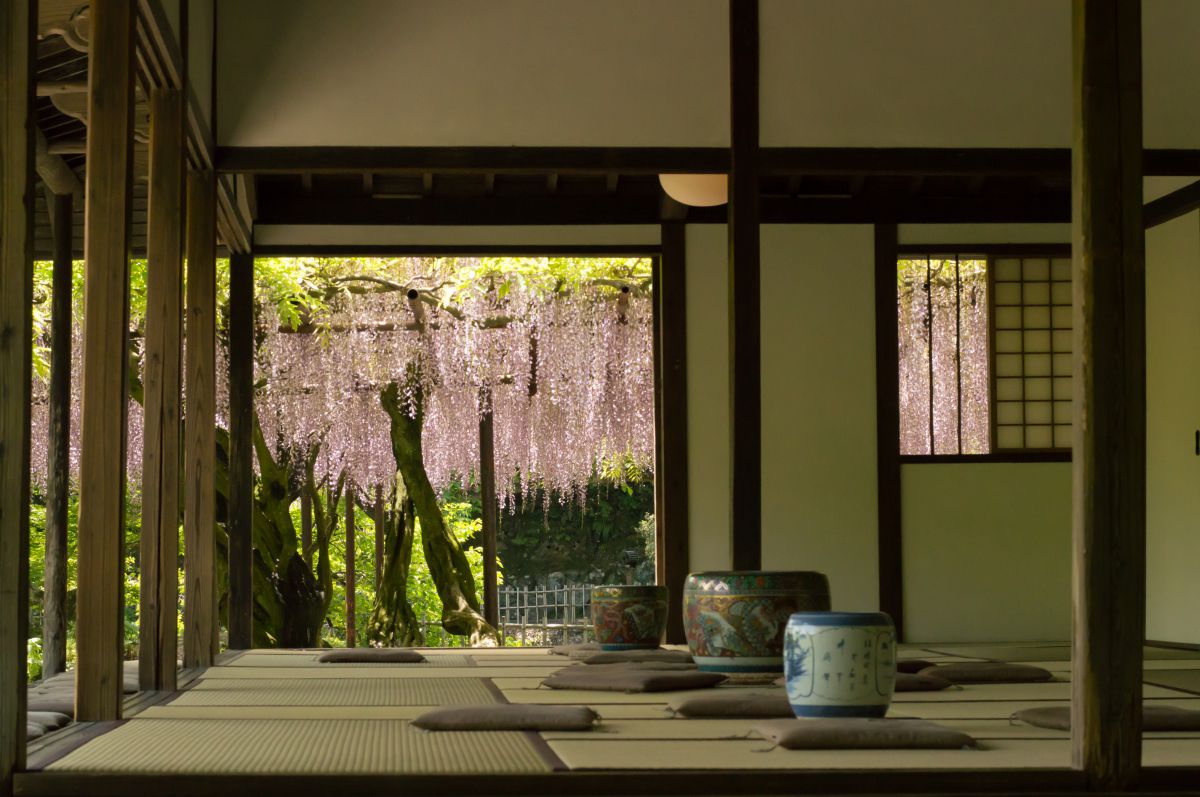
<point>1109,462</point>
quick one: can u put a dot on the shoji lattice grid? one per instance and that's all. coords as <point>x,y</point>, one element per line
<point>1031,301</point>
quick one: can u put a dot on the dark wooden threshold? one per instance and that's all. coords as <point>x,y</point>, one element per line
<point>1001,456</point>
<point>634,782</point>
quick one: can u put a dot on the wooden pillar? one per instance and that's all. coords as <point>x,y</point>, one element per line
<point>159,552</point>
<point>490,513</point>
<point>351,620</point>
<point>99,625</point>
<point>380,541</point>
<point>1110,395</point>
<point>306,527</point>
<point>200,627</point>
<point>241,450</point>
<point>745,382</point>
<point>17,20</point>
<point>58,444</point>
<point>671,478</point>
<point>887,426</point>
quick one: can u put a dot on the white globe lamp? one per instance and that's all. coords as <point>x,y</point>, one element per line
<point>696,190</point>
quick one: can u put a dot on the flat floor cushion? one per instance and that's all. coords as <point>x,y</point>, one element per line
<point>34,731</point>
<point>669,666</point>
<point>988,672</point>
<point>640,656</point>
<point>734,705</point>
<point>508,718</point>
<point>909,682</point>
<point>48,719</point>
<point>913,665</point>
<point>580,651</point>
<point>371,656</point>
<point>861,734</point>
<point>603,679</point>
<point>1154,718</point>
<point>57,703</point>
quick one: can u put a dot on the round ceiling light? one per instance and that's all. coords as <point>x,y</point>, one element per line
<point>697,190</point>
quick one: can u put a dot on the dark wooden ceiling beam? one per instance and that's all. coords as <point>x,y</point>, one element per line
<point>295,208</point>
<point>473,160</point>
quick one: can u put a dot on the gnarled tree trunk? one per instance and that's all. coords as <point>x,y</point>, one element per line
<point>447,563</point>
<point>393,621</point>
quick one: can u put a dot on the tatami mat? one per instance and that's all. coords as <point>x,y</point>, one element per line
<point>1185,679</point>
<point>345,692</point>
<point>300,747</point>
<point>757,754</point>
<point>309,659</point>
<point>394,671</point>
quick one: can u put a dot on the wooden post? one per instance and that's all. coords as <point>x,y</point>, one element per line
<point>351,624</point>
<point>241,450</point>
<point>887,427</point>
<point>380,542</point>
<point>58,444</point>
<point>745,388</point>
<point>99,625</point>
<point>17,22</point>
<point>200,627</point>
<point>159,552</point>
<point>306,527</point>
<point>671,480</point>
<point>1110,396</point>
<point>487,501</point>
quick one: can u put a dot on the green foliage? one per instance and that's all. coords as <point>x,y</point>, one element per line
<point>579,541</point>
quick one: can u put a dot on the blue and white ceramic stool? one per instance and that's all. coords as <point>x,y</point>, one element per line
<point>840,664</point>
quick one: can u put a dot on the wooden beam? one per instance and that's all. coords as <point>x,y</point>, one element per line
<point>100,624</point>
<point>1109,462</point>
<point>887,426</point>
<point>490,512</point>
<point>159,552</point>
<point>351,581</point>
<point>17,24</point>
<point>200,627</point>
<point>50,88</point>
<point>745,381</point>
<point>241,451</point>
<point>54,171</point>
<point>58,444</point>
<point>1172,206</point>
<point>671,479</point>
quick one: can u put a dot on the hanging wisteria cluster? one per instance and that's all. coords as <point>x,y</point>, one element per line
<point>568,376</point>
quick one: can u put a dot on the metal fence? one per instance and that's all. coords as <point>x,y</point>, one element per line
<point>545,616</point>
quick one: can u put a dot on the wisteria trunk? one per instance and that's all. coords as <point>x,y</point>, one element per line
<point>447,563</point>
<point>393,621</point>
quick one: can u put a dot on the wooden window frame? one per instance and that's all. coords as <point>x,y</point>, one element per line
<point>990,252</point>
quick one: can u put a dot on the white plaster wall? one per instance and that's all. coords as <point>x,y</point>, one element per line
<point>474,73</point>
<point>820,509</point>
<point>955,73</point>
<point>200,54</point>
<point>1172,418</point>
<point>987,552</point>
<point>709,539</point>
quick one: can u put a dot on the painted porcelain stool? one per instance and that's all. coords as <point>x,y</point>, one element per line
<point>629,617</point>
<point>840,664</point>
<point>734,620</point>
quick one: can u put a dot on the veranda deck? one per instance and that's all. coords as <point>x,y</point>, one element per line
<point>277,722</point>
